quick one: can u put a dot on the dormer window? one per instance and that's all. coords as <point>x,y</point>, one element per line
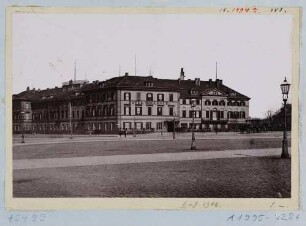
<point>193,92</point>
<point>149,84</point>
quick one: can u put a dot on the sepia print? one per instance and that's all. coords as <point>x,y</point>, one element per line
<point>165,108</point>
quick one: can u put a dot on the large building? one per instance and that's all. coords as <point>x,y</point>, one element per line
<point>132,103</point>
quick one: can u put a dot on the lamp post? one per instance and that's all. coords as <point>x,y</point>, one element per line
<point>70,116</point>
<point>285,86</point>
<point>134,131</point>
<point>193,145</point>
<point>174,115</point>
<point>22,127</point>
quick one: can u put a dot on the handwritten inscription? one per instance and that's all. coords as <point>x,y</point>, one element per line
<point>199,204</point>
<point>251,10</point>
<point>241,10</point>
<point>278,10</point>
<point>26,218</point>
<point>263,217</point>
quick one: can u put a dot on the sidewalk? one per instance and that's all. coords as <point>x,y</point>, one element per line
<point>140,158</point>
<point>154,136</point>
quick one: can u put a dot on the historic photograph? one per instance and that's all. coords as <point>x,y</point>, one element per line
<point>151,105</point>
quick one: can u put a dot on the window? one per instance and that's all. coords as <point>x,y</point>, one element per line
<point>221,114</point>
<point>215,103</point>
<point>160,97</point>
<point>127,96</point>
<point>191,113</point>
<point>222,103</point>
<point>229,114</point>
<point>207,114</point>
<point>149,97</point>
<point>236,114</point>
<point>127,110</point>
<point>72,114</point>
<point>159,125</point>
<point>242,114</point>
<point>242,103</point>
<point>149,110</point>
<point>150,84</point>
<point>184,101</point>
<point>138,110</point>
<point>78,114</point>
<point>170,97</point>
<point>171,111</point>
<point>159,111</point>
<point>184,114</point>
<point>207,102</point>
<point>148,125</point>
<point>197,101</point>
<point>111,110</point>
<point>193,92</point>
<point>138,96</point>
<point>93,111</point>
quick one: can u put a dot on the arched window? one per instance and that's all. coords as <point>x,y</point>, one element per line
<point>215,103</point>
<point>242,103</point>
<point>222,103</point>
<point>207,102</point>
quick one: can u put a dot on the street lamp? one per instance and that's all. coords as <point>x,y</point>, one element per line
<point>22,127</point>
<point>285,86</point>
<point>174,115</point>
<point>193,145</point>
<point>134,131</point>
<point>70,117</point>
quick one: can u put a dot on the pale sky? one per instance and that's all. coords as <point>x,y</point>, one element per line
<point>254,53</point>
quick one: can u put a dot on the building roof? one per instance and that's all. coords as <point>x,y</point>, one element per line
<point>186,88</point>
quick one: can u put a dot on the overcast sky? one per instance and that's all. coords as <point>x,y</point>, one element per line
<point>253,52</point>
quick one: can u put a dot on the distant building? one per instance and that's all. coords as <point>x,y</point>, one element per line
<point>141,103</point>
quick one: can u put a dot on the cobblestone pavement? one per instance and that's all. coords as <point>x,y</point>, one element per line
<point>139,158</point>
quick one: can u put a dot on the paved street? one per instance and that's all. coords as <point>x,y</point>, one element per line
<point>238,165</point>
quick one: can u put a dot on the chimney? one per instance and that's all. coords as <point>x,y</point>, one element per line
<point>28,88</point>
<point>126,74</point>
<point>218,82</point>
<point>197,81</point>
<point>182,75</point>
<point>70,82</point>
<point>210,82</point>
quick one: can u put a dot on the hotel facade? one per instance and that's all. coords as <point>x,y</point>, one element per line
<point>130,103</point>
